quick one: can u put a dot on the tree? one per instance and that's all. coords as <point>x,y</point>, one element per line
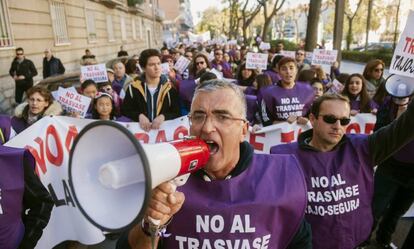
<point>212,20</point>
<point>269,11</point>
<point>368,22</point>
<point>350,16</point>
<point>248,15</point>
<point>234,21</point>
<point>338,26</point>
<point>312,26</point>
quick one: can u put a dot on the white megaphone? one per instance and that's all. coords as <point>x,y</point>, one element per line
<point>399,86</point>
<point>111,174</point>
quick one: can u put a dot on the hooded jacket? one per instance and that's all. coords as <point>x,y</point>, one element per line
<point>138,100</point>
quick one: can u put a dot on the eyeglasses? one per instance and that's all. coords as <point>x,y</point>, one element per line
<point>218,118</point>
<point>200,63</point>
<point>378,70</point>
<point>331,119</point>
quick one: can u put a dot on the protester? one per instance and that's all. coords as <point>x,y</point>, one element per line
<point>121,80</point>
<point>374,74</point>
<point>251,186</point>
<point>288,100</point>
<point>187,88</point>
<point>221,65</point>
<point>26,205</point>
<point>318,88</point>
<point>122,52</point>
<point>200,62</point>
<point>339,170</point>
<point>51,65</point>
<point>131,68</point>
<point>355,90</point>
<point>245,77</point>
<point>151,99</point>
<point>22,70</point>
<point>321,75</point>
<point>89,89</point>
<point>110,74</point>
<point>306,76</point>
<point>173,75</point>
<point>107,88</point>
<point>393,185</point>
<point>39,104</point>
<point>88,58</point>
<point>300,60</point>
<point>273,71</point>
<point>103,107</point>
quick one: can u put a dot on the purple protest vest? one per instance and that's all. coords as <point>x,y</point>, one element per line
<point>257,209</point>
<point>11,193</point>
<point>186,92</point>
<point>283,103</point>
<point>5,126</point>
<point>340,189</point>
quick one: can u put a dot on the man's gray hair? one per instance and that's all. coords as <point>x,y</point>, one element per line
<point>216,84</point>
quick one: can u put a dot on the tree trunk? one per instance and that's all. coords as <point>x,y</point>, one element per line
<point>312,26</point>
<point>368,23</point>
<point>396,24</point>
<point>349,37</point>
<point>338,26</point>
<point>265,28</point>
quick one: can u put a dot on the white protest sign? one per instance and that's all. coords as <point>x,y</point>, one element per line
<point>286,53</point>
<point>165,68</point>
<point>325,58</point>
<point>232,42</point>
<point>73,102</point>
<point>182,64</point>
<point>211,56</point>
<point>217,73</point>
<point>402,62</point>
<point>264,46</point>
<point>256,61</point>
<point>308,56</point>
<point>336,87</point>
<point>96,73</point>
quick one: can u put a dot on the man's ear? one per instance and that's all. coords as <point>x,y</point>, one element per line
<point>245,129</point>
<point>312,118</point>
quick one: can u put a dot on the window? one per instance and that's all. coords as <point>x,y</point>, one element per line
<point>90,25</point>
<point>134,30</point>
<point>57,12</point>
<point>110,28</point>
<point>123,28</point>
<point>6,39</point>
<point>141,25</point>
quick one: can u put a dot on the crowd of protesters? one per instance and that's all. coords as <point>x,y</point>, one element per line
<point>138,91</point>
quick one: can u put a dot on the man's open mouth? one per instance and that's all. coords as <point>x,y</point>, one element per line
<point>213,146</point>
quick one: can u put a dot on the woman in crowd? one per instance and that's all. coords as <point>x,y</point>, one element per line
<point>173,75</point>
<point>107,88</point>
<point>200,62</point>
<point>131,68</point>
<point>245,77</point>
<point>374,74</point>
<point>355,90</point>
<point>318,88</point>
<point>273,71</point>
<point>89,89</point>
<point>39,104</point>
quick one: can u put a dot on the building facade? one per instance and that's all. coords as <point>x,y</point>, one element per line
<point>69,27</point>
<point>178,19</point>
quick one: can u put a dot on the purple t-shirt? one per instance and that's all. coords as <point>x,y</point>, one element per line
<point>275,77</point>
<point>256,209</point>
<point>279,103</point>
<point>340,190</point>
<point>186,92</point>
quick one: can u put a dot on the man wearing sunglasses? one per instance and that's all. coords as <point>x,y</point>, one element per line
<point>22,70</point>
<point>339,170</point>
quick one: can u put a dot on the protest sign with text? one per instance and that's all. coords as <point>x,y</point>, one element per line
<point>403,59</point>
<point>286,53</point>
<point>96,73</point>
<point>182,64</point>
<point>73,102</point>
<point>256,61</point>
<point>324,58</point>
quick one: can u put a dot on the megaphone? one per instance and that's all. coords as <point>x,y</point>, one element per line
<point>111,174</point>
<point>399,86</point>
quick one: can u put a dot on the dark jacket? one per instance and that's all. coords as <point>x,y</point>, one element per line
<point>52,67</point>
<point>138,100</point>
<point>26,68</point>
<point>37,207</point>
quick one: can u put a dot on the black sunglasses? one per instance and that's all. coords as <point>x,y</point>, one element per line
<point>331,119</point>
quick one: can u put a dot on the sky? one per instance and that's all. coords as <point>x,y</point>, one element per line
<point>198,6</point>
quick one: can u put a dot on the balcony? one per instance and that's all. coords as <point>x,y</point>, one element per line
<point>135,6</point>
<point>113,3</point>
